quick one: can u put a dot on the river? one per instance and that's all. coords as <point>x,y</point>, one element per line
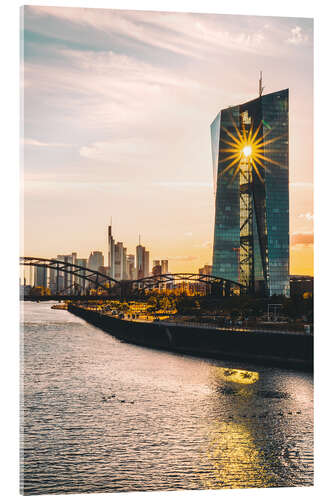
<point>99,415</point>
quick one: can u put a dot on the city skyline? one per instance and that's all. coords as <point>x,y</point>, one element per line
<point>139,125</point>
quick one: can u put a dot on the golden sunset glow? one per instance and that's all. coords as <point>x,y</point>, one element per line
<point>247,145</point>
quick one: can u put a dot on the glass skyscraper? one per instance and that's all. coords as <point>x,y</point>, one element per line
<point>251,180</point>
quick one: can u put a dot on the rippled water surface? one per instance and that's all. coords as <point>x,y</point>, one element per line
<point>99,415</point>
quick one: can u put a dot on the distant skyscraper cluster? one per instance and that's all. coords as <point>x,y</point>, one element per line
<point>120,266</point>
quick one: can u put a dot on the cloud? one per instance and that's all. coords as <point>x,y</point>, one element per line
<point>297,36</point>
<point>302,239</point>
<point>105,151</point>
<point>186,34</point>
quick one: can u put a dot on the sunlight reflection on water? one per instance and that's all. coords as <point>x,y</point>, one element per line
<point>101,416</point>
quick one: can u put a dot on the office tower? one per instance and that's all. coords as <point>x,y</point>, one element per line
<point>146,263</point>
<point>96,259</point>
<point>111,252</point>
<point>53,281</point>
<point>40,278</point>
<point>140,250</point>
<point>206,269</point>
<point>124,264</point>
<point>251,178</point>
<point>119,260</point>
<point>60,276</point>
<point>130,260</point>
<point>164,266</point>
<point>83,284</point>
<point>75,279</point>
<point>65,281</point>
<point>157,268</point>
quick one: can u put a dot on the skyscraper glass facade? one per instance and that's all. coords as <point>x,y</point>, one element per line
<point>251,180</point>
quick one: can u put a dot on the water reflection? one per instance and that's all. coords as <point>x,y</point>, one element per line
<point>236,460</point>
<point>101,416</point>
<point>248,442</point>
<point>234,375</point>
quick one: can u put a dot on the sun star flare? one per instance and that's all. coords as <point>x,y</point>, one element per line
<point>248,145</point>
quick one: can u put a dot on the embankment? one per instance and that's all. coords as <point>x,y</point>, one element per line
<point>274,349</point>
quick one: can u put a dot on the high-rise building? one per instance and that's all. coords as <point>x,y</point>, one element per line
<point>164,266</point>
<point>120,261</point>
<point>125,264</point>
<point>83,284</point>
<point>157,268</point>
<point>146,263</point>
<point>142,261</point>
<point>53,280</point>
<point>96,260</point>
<point>117,260</point>
<point>206,269</point>
<point>111,252</point>
<point>140,250</point>
<point>64,281</point>
<point>251,178</point>
<point>40,278</point>
<point>130,271</point>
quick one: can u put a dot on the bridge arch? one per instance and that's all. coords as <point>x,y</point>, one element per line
<point>99,280</point>
<point>223,286</point>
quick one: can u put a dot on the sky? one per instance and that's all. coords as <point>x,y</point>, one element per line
<point>117,113</point>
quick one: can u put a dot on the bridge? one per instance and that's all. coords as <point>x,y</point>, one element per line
<point>212,285</point>
<point>60,269</point>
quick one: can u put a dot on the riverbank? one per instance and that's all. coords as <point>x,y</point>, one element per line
<point>266,348</point>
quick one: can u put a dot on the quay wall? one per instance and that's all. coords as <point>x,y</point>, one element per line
<point>266,348</point>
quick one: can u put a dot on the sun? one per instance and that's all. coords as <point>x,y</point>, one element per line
<point>247,145</point>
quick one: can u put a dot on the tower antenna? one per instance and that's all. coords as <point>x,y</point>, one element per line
<point>139,239</point>
<point>261,88</point>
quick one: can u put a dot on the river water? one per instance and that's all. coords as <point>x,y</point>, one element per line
<point>99,415</point>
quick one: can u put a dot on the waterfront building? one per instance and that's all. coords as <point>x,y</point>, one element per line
<point>251,180</point>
